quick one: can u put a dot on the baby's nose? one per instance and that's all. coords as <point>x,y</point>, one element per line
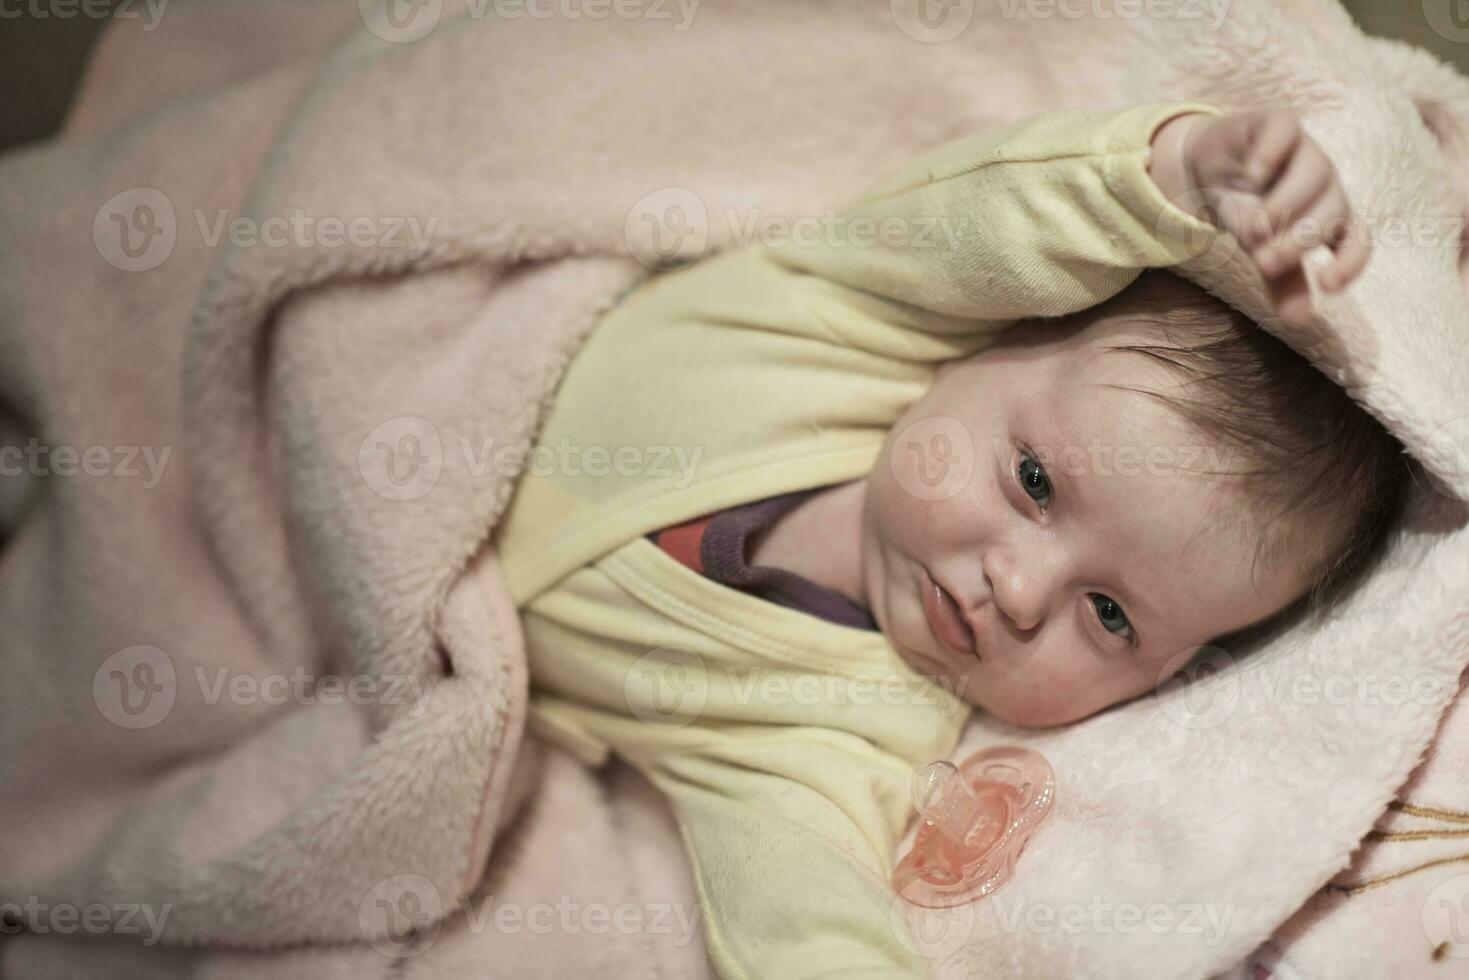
<point>1025,616</point>
<point>1019,597</point>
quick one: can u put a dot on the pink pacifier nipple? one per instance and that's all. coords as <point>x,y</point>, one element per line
<point>977,817</point>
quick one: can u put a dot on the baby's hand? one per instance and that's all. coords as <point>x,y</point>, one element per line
<point>1263,179</point>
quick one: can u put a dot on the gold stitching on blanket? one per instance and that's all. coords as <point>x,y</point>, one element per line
<point>1370,883</point>
<point>1454,816</point>
<point>1415,834</point>
<point>1432,812</point>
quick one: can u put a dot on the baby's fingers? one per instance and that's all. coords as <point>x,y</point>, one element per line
<point>1326,218</point>
<point>1290,295</point>
<point>1276,133</point>
<point>1352,252</point>
<point>1307,176</point>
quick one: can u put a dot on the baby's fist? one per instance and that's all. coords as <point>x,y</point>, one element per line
<point>1264,180</point>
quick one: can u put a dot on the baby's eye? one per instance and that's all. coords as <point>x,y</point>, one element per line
<point>1033,479</point>
<point>1110,613</point>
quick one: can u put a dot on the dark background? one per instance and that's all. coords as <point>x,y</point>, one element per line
<point>41,59</point>
<point>40,64</point>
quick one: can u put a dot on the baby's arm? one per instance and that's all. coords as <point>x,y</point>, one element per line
<point>1060,211</point>
<point>1043,217</point>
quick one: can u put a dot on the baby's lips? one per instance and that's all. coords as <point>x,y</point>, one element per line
<point>977,817</point>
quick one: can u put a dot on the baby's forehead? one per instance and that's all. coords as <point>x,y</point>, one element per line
<point>1129,397</point>
<point>1132,454</point>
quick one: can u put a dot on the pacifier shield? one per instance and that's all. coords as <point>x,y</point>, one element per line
<point>977,817</point>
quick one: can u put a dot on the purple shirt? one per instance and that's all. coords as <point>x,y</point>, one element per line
<point>716,545</point>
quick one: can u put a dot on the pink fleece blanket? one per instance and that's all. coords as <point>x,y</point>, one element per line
<point>331,256</point>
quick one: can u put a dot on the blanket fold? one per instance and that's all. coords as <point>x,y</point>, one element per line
<point>328,290</point>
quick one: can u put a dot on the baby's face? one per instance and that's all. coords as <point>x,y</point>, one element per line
<point>1076,548</point>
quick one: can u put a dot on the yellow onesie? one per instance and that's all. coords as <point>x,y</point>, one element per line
<point>785,743</point>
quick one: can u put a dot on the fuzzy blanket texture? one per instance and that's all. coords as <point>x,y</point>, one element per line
<point>294,269</point>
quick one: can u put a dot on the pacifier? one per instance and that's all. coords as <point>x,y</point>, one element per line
<point>977,817</point>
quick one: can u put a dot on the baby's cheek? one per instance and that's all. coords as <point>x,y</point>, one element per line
<point>901,515</point>
<point>1034,698</point>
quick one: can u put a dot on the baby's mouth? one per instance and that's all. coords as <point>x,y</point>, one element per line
<point>945,620</point>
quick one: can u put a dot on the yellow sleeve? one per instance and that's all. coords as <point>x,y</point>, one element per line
<point>1046,216</point>
<point>789,843</point>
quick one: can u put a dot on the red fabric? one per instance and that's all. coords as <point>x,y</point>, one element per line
<point>682,541</point>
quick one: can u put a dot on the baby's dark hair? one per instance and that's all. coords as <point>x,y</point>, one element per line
<point>1313,458</point>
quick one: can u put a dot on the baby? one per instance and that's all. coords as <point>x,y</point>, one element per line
<point>1002,467</point>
